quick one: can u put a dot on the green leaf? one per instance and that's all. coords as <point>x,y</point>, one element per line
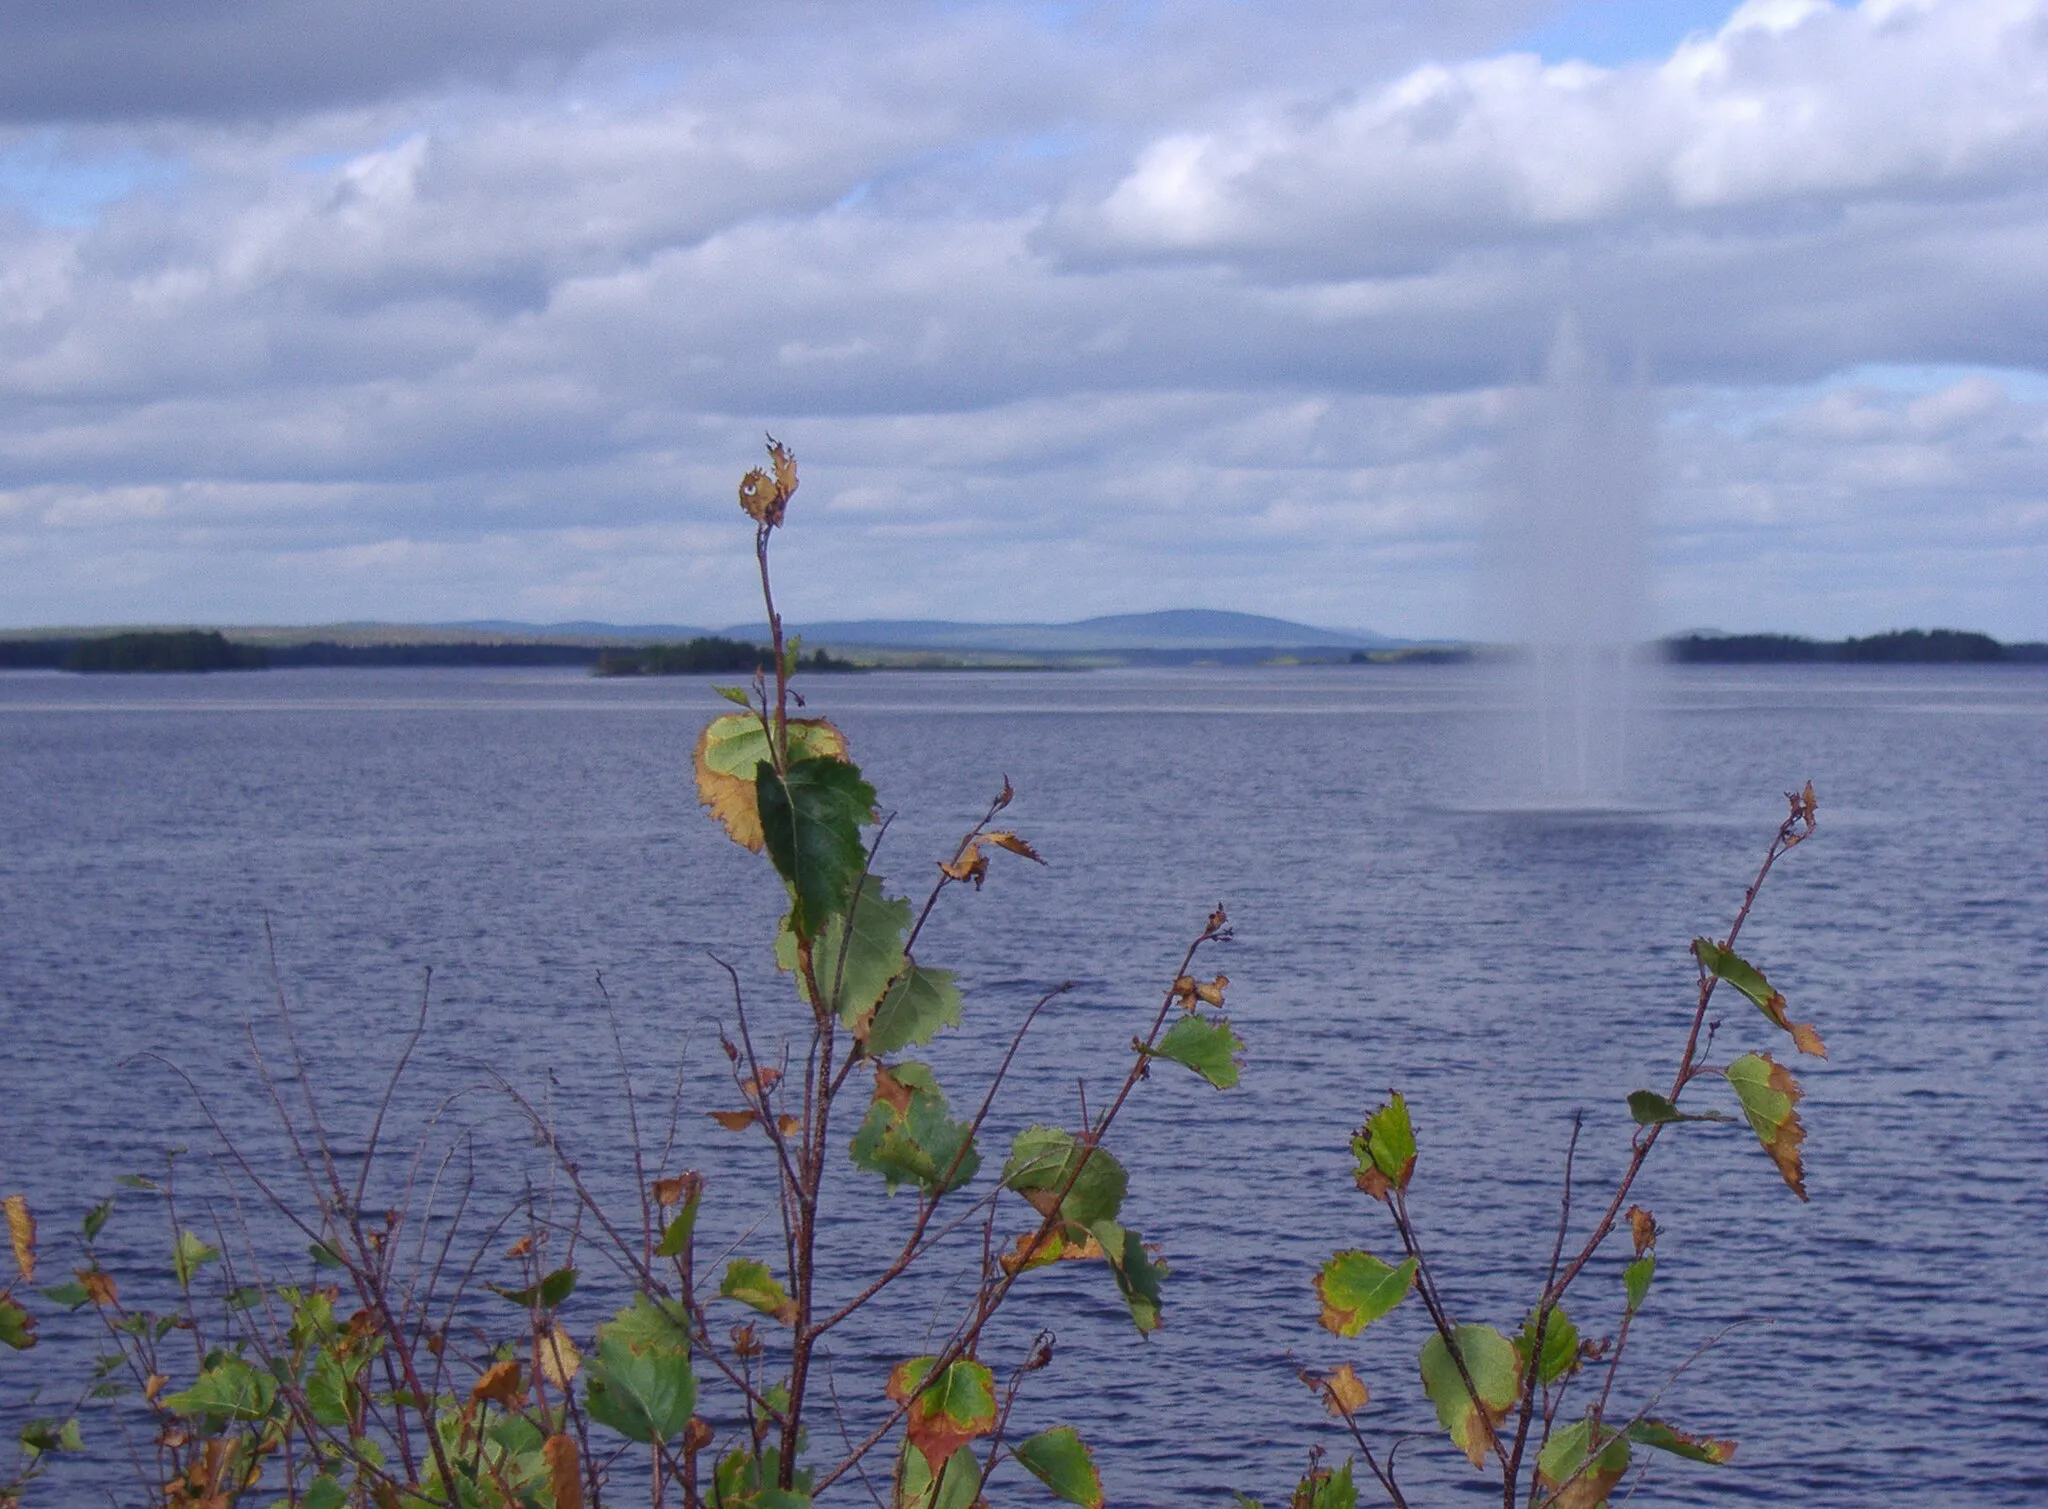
<point>324,1493</point>
<point>734,694</point>
<point>959,1486</point>
<point>1495,1368</point>
<point>1769,1093</point>
<point>1205,1045</point>
<point>1385,1149</point>
<point>17,1326</point>
<point>811,818</point>
<point>1326,1488</point>
<point>874,958</point>
<point>1357,1288</point>
<point>920,1004</point>
<point>70,1294</point>
<point>1560,1346</point>
<point>325,1255</point>
<point>1636,1279</point>
<point>1579,1472</point>
<point>136,1181</point>
<point>753,1285</point>
<point>189,1255</point>
<point>1042,1160</point>
<point>640,1383</point>
<point>1651,1109</point>
<point>546,1294</point>
<point>96,1218</point>
<point>945,1412</point>
<point>1138,1276</point>
<point>908,1136</point>
<point>1059,1459</point>
<point>330,1392</point>
<point>675,1238</point>
<point>229,1389</point>
<point>1663,1437</point>
<point>739,1481</point>
<point>39,1436</point>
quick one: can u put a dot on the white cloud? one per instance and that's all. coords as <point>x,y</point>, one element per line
<point>1119,309</point>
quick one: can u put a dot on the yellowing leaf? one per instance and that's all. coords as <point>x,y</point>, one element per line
<point>734,1121</point>
<point>1064,1243</point>
<point>674,1191</point>
<point>1495,1369</point>
<point>946,1412</point>
<point>729,750</point>
<point>1681,1443</point>
<point>753,1285</point>
<point>555,1357</point>
<point>1344,1392</point>
<point>1769,1093</point>
<point>1727,965</point>
<point>99,1286</point>
<point>1642,1228</point>
<point>1357,1288</point>
<point>21,1231</point>
<point>565,1471</point>
<point>1385,1149</point>
<point>499,1385</point>
<point>1579,1475</point>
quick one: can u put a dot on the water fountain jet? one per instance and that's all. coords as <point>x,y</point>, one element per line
<point>1571,575</point>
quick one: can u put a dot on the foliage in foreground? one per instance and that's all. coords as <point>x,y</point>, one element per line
<point>392,1373</point>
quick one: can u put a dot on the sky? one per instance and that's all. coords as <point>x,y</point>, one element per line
<point>322,310</point>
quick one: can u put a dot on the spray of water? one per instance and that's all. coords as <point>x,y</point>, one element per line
<point>1571,577</point>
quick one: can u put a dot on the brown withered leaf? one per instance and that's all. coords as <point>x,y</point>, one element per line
<point>788,1125</point>
<point>565,1471</point>
<point>734,1121</point>
<point>99,1287</point>
<point>780,457</point>
<point>746,1341</point>
<point>1066,1242</point>
<point>520,1248</point>
<point>1642,1228</point>
<point>698,1434</point>
<point>1192,994</point>
<point>21,1232</point>
<point>1344,1392</point>
<point>500,1385</point>
<point>555,1357</point>
<point>1806,1040</point>
<point>971,863</point>
<point>675,1191</point>
<point>761,499</point>
<point>891,1091</point>
<point>154,1385</point>
<point>756,1084</point>
<point>1006,796</point>
<point>1002,838</point>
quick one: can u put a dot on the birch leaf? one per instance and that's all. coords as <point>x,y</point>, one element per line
<point>1769,1096</point>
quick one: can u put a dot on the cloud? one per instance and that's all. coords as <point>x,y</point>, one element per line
<point>1115,307</point>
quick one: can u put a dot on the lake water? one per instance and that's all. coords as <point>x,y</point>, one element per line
<point>521,832</point>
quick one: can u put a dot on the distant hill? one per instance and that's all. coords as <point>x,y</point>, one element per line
<point>1186,630</point>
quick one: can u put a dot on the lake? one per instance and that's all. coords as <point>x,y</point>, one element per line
<point>522,832</point>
